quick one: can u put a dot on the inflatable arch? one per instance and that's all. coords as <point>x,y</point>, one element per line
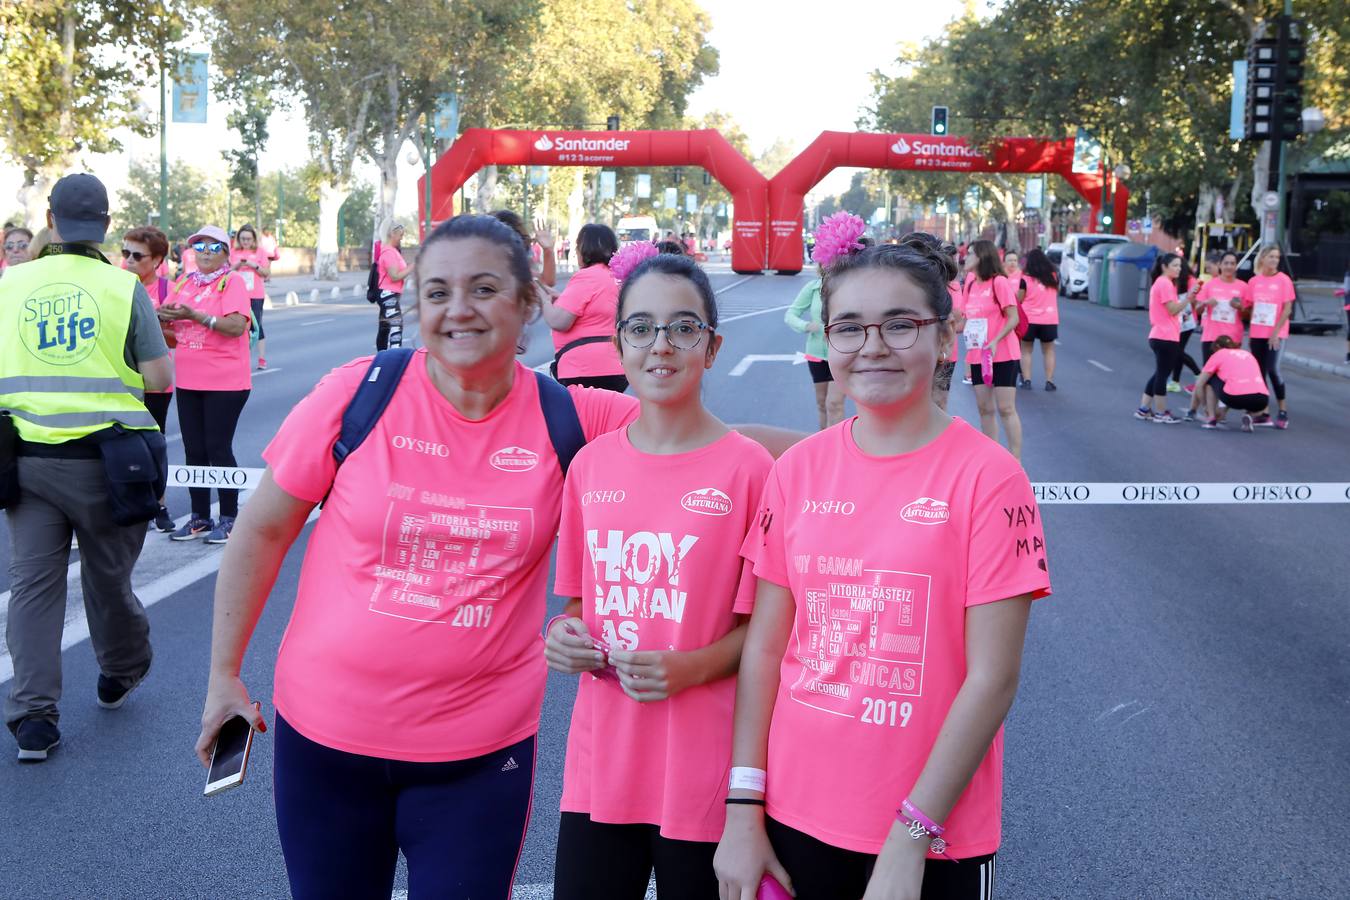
<point>758,202</point>
<point>479,147</point>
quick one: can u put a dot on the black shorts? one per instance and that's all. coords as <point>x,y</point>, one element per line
<point>1046,334</point>
<point>1245,402</point>
<point>1005,373</point>
<point>820,371</point>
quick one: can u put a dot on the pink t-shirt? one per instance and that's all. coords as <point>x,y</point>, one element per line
<point>391,260</point>
<point>253,280</point>
<point>649,542</point>
<point>985,302</point>
<point>883,556</point>
<point>1166,326</point>
<point>159,293</point>
<point>268,245</point>
<point>1222,318</point>
<point>1040,303</point>
<point>1267,294</point>
<point>1239,372</point>
<point>415,632</point>
<point>592,295</point>
<point>189,257</point>
<point>205,359</point>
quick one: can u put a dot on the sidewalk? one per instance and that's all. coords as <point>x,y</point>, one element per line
<point>1321,352</point>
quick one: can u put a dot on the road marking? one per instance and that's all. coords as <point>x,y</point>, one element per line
<point>1134,714</point>
<point>735,284</point>
<point>261,372</point>
<point>1115,709</point>
<point>1099,365</point>
<point>758,312</point>
<point>317,321</point>
<point>749,360</point>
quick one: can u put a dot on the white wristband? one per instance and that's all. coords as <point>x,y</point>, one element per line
<point>747,779</point>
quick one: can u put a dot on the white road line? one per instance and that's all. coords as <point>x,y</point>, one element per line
<point>1099,365</point>
<point>758,312</point>
<point>268,371</point>
<point>735,284</point>
<point>317,322</point>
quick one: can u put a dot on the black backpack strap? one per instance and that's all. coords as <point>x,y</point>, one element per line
<point>572,345</point>
<point>560,415</point>
<point>371,399</point>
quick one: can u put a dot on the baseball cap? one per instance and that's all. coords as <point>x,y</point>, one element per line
<point>211,233</point>
<point>79,205</point>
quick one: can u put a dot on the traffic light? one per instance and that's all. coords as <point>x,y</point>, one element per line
<point>1289,92</point>
<point>939,120</point>
<point>1274,108</point>
<point>707,177</point>
<point>1262,81</point>
<point>612,123</point>
<point>677,175</point>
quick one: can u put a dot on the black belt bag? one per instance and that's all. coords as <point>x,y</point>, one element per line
<point>9,462</point>
<point>572,345</point>
<point>136,468</point>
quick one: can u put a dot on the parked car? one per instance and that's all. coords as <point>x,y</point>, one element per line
<point>1073,265</point>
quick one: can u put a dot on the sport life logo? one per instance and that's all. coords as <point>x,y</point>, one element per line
<point>707,502</point>
<point>514,459</point>
<point>59,324</point>
<point>901,146</point>
<point>543,143</point>
<point>926,511</point>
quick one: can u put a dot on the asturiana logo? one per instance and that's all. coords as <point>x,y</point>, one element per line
<point>514,459</point>
<point>581,144</point>
<point>927,511</point>
<point>707,502</point>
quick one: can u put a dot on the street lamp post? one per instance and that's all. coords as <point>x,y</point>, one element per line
<point>163,153</point>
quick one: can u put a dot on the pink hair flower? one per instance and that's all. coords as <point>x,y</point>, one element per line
<point>837,236</point>
<point>629,257</point>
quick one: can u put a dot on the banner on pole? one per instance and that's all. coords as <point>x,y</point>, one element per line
<point>446,120</point>
<point>190,89</point>
<point>538,176</point>
<point>691,203</point>
<point>1035,197</point>
<point>672,199</point>
<point>644,185</point>
<point>1087,154</point>
<point>607,182</point>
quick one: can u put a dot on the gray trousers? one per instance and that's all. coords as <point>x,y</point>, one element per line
<point>60,496</point>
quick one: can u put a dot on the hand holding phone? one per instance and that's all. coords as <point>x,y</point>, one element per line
<point>229,756</point>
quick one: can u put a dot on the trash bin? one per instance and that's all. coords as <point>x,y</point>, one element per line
<point>1096,287</point>
<point>1127,279</point>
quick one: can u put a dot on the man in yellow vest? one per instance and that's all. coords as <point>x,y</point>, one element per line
<point>79,345</point>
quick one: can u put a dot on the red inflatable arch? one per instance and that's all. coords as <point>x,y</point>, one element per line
<point>918,152</point>
<point>479,147</point>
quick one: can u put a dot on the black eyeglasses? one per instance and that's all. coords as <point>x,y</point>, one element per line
<point>133,254</point>
<point>205,247</point>
<point>898,333</point>
<point>683,334</point>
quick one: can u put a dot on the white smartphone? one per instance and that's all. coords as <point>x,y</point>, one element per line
<point>229,757</point>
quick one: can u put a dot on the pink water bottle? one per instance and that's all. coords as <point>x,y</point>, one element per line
<point>770,889</point>
<point>987,367</point>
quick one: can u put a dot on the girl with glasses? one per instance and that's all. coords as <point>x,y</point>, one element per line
<point>652,518</point>
<point>897,554</point>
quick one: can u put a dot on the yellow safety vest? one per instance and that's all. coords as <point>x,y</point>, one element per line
<point>63,330</point>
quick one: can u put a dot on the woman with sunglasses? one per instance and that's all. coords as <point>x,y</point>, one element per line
<point>143,252</point>
<point>254,268</point>
<point>209,311</point>
<point>17,240</point>
<point>897,554</point>
<point>652,517</point>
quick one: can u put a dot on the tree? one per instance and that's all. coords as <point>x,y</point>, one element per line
<point>69,70</point>
<point>195,199</point>
<point>249,120</point>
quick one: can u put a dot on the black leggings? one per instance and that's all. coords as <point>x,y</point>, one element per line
<point>599,859</point>
<point>207,420</point>
<point>1269,361</point>
<point>158,404</point>
<point>390,330</point>
<point>616,383</point>
<point>820,871</point>
<point>1185,358</point>
<point>343,818</point>
<point>1165,356</point>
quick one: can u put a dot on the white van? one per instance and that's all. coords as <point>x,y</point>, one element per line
<point>636,228</point>
<point>1073,266</point>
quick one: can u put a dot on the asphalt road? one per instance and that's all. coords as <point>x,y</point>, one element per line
<point>1182,729</point>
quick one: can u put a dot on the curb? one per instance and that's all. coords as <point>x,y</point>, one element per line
<point>1307,362</point>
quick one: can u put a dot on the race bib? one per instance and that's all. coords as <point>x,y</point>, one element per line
<point>1224,313</point>
<point>977,333</point>
<point>1264,314</point>
<point>248,280</point>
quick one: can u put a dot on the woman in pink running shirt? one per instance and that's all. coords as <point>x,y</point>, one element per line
<point>990,331</point>
<point>254,267</point>
<point>1235,378</point>
<point>1040,301</point>
<point>898,554</point>
<point>1165,304</point>
<point>1270,299</point>
<point>652,518</point>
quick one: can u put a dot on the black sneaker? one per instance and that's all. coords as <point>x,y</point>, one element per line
<point>111,694</point>
<point>36,737</point>
<point>1050,386</point>
<point>1025,385</point>
<point>193,529</point>
<point>163,521</point>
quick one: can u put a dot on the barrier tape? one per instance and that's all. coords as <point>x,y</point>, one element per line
<point>1092,493</point>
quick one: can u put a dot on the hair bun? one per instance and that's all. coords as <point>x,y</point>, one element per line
<point>934,250</point>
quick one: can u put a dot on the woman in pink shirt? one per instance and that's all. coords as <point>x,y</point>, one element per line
<point>1040,301</point>
<point>1270,299</point>
<point>1164,338</point>
<point>254,268</point>
<point>1220,302</point>
<point>392,272</point>
<point>582,317</point>
<point>897,554</point>
<point>990,331</point>
<point>1237,383</point>
<point>652,518</point>
<point>143,252</point>
<point>209,311</point>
